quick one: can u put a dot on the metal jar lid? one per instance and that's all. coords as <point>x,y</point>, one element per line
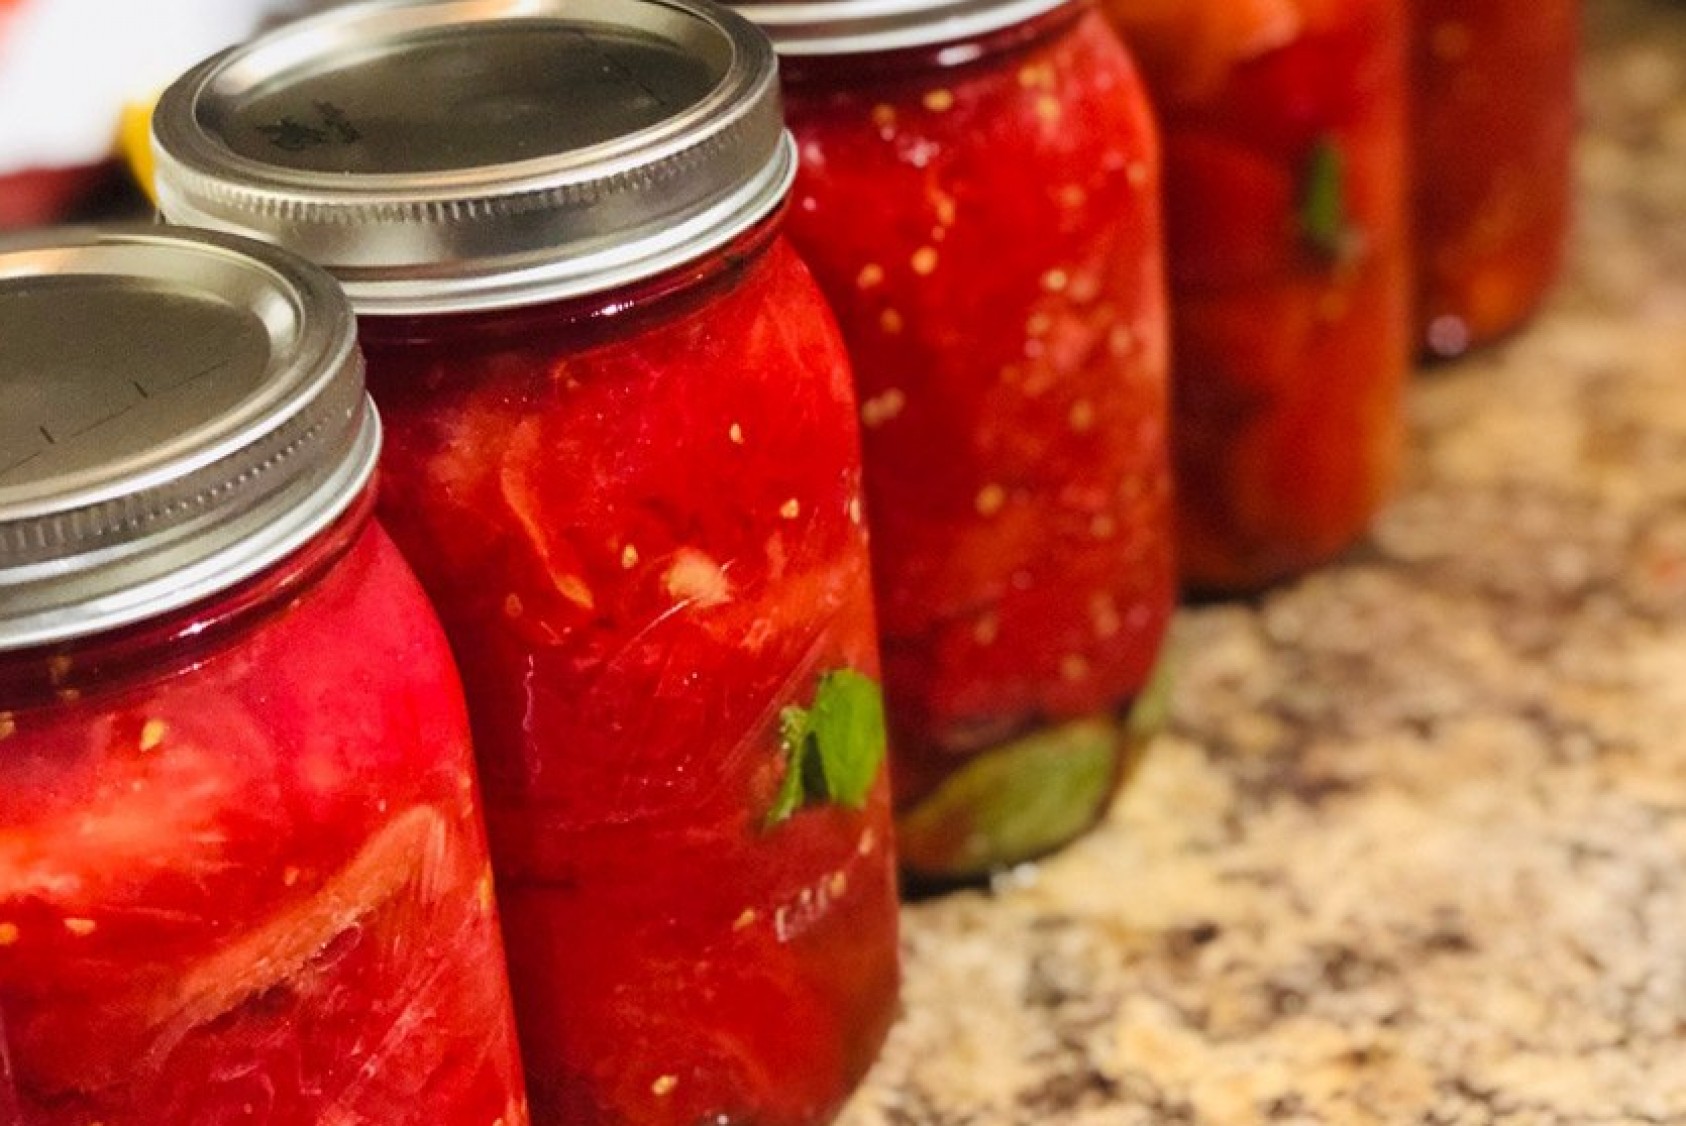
<point>449,155</point>
<point>851,27</point>
<point>178,411</point>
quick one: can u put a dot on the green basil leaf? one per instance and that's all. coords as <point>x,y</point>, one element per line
<point>833,749</point>
<point>1323,215</point>
<point>793,735</point>
<point>1150,713</point>
<point>847,722</point>
<point>1015,803</point>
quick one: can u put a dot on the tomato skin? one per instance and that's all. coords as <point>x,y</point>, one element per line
<point>1493,118</point>
<point>242,862</point>
<point>988,234</point>
<point>639,514</point>
<point>1291,347</point>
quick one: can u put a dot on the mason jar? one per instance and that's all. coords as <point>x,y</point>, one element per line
<point>979,199</point>
<point>622,458</point>
<point>1289,225</point>
<point>243,875</point>
<point>1493,128</point>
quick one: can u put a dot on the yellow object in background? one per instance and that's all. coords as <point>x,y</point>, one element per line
<point>134,141</point>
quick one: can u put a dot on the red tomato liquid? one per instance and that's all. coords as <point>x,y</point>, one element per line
<point>988,234</point>
<point>243,876</point>
<point>1494,129</point>
<point>1290,319</point>
<point>639,515</point>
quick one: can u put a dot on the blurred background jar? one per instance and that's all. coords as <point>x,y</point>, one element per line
<point>1494,127</point>
<point>1285,183</point>
<point>979,200</point>
<point>622,457</point>
<point>243,874</point>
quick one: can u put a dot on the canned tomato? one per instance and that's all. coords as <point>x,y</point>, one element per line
<point>622,458</point>
<point>1285,182</point>
<point>1494,127</point>
<point>978,198</point>
<point>243,875</point>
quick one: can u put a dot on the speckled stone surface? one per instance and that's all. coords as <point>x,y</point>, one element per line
<point>1414,850</point>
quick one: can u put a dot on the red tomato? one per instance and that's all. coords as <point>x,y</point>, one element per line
<point>1236,220</point>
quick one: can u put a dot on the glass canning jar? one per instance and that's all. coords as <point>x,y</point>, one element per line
<point>243,875</point>
<point>979,200</point>
<point>622,458</point>
<point>1286,200</point>
<point>1493,124</point>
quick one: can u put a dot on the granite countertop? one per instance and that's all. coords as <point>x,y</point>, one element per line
<point>1414,849</point>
